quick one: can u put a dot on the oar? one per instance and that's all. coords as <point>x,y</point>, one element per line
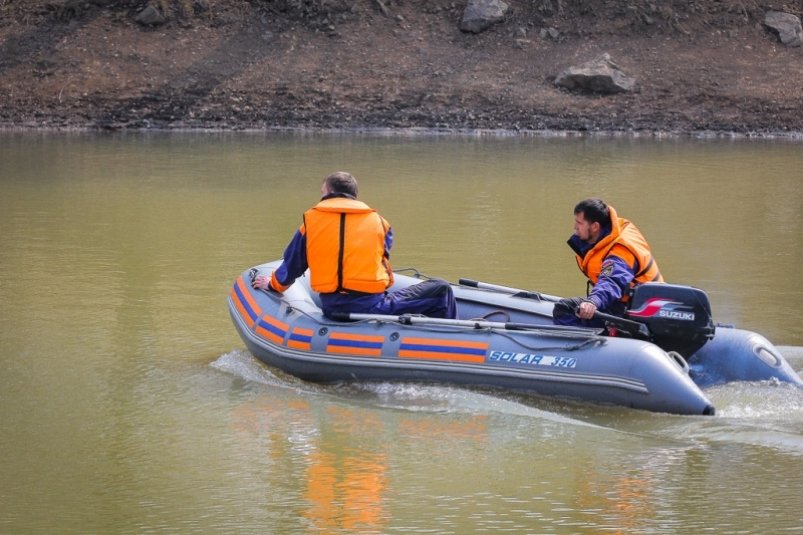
<point>630,326</point>
<point>407,319</point>
<point>515,292</point>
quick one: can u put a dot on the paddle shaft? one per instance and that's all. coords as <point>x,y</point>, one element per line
<point>406,319</point>
<point>516,292</point>
<point>633,327</point>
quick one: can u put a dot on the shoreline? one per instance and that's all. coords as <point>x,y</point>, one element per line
<point>495,133</point>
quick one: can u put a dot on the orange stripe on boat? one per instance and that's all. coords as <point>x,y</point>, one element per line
<point>443,349</point>
<point>433,355</point>
<point>303,332</point>
<point>275,322</point>
<point>247,294</point>
<point>364,351</point>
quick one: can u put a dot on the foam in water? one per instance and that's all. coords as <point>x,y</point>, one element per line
<point>240,363</point>
<point>399,396</point>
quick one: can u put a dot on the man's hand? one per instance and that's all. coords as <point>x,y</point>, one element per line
<point>586,310</point>
<point>262,282</point>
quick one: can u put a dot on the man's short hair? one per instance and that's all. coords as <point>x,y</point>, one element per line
<point>342,182</point>
<point>594,211</point>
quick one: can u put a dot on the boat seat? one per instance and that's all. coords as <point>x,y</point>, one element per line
<point>304,287</point>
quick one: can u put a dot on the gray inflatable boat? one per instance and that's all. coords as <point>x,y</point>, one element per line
<point>664,353</point>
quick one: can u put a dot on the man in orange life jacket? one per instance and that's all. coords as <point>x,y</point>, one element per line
<point>614,255</point>
<point>346,246</point>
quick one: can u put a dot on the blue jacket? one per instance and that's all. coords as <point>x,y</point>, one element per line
<point>614,278</point>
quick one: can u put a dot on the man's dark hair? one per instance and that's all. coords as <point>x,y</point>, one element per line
<point>594,211</point>
<point>342,182</point>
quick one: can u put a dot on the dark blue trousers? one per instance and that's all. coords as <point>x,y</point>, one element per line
<point>433,298</point>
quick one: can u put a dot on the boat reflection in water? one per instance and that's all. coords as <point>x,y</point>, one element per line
<point>342,454</point>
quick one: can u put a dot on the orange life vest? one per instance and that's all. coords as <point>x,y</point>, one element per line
<point>346,247</point>
<point>626,242</point>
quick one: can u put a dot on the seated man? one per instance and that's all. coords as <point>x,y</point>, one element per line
<point>614,255</point>
<point>346,246</point>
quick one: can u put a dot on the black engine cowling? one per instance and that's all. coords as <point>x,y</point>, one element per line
<point>678,317</point>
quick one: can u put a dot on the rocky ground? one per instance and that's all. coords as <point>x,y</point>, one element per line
<point>699,65</point>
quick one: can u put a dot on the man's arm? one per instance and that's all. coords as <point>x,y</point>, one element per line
<point>614,281</point>
<point>388,242</point>
<point>294,264</point>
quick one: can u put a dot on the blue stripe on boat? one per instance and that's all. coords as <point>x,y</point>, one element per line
<point>355,343</point>
<point>272,328</point>
<point>244,302</point>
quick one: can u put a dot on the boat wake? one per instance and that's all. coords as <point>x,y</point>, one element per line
<point>756,415</point>
<point>766,413</point>
<point>794,356</point>
<point>240,363</point>
<point>450,399</point>
<point>759,401</point>
<point>412,397</point>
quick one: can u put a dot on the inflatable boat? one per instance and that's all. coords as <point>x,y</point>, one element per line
<point>658,358</point>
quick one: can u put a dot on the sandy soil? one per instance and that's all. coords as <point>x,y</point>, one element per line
<point>701,66</point>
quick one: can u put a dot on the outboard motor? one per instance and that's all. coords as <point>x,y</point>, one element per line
<point>678,317</point>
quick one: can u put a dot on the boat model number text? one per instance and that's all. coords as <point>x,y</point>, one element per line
<point>532,360</point>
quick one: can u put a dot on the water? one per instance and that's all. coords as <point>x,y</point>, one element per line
<point>129,405</point>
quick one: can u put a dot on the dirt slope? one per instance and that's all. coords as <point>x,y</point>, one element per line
<point>706,65</point>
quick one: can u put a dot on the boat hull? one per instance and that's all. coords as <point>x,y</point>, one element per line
<point>289,332</point>
<point>740,355</point>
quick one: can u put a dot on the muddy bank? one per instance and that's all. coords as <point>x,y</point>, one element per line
<point>701,68</point>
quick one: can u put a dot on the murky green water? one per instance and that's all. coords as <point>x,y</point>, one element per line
<point>128,404</point>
